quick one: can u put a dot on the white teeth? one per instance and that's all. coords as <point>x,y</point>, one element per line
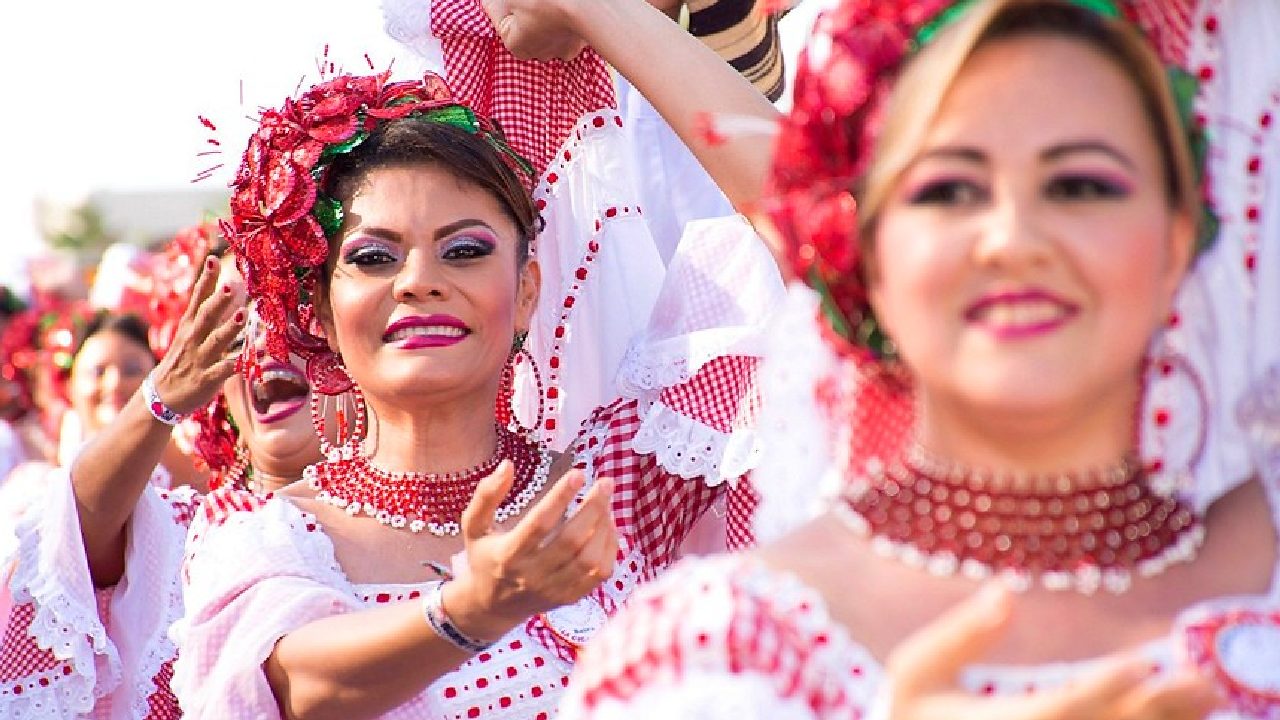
<point>260,387</point>
<point>1022,313</point>
<point>440,330</point>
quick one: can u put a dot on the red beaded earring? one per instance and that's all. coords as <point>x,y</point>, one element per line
<point>349,416</point>
<point>505,410</point>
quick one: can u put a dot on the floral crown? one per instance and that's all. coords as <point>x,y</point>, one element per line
<point>281,222</point>
<point>825,144</point>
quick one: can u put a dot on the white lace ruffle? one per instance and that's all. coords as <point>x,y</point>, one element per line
<point>690,449</point>
<point>118,659</point>
<point>66,621</point>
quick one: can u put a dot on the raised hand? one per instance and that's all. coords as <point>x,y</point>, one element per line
<point>197,362</point>
<point>924,670</point>
<point>545,561</point>
<point>534,29</point>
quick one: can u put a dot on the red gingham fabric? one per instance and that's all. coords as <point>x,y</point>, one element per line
<point>721,395</point>
<point>741,503</point>
<point>652,508</point>
<point>535,102</point>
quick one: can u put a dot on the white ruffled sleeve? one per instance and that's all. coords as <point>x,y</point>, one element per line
<point>254,572</point>
<point>70,647</point>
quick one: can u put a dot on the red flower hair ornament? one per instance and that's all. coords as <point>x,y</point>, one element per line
<point>280,222</point>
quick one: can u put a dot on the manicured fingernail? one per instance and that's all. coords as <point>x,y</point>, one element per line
<point>211,262</point>
<point>226,289</point>
<point>239,317</point>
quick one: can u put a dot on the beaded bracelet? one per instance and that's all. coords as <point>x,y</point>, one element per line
<point>433,611</point>
<point>159,410</point>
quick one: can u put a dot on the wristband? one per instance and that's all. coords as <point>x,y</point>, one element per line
<point>433,611</point>
<point>159,410</point>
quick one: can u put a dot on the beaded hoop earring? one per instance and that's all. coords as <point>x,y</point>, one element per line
<point>350,416</point>
<point>506,411</point>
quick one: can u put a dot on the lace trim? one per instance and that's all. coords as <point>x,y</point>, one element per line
<point>690,449</point>
<point>72,632</point>
<point>651,366</point>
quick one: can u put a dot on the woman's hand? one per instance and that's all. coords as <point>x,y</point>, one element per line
<point>534,29</point>
<point>545,561</point>
<point>924,671</point>
<point>197,362</point>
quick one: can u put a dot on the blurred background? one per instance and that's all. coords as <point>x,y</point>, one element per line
<point>100,129</point>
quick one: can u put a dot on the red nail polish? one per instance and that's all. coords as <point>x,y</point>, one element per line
<point>211,262</point>
<point>226,289</point>
<point>239,318</point>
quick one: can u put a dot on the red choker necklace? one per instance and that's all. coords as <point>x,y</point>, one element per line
<point>428,501</point>
<point>1071,531</point>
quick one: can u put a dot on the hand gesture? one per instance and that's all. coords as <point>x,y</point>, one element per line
<point>544,562</point>
<point>534,29</point>
<point>923,674</point>
<point>197,363</point>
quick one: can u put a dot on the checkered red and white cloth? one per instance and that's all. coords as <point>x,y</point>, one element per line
<point>535,102</point>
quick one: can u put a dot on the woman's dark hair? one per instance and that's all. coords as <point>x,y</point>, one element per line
<point>130,326</point>
<point>468,157</point>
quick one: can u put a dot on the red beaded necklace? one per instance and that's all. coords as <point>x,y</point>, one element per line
<point>1069,530</point>
<point>428,501</point>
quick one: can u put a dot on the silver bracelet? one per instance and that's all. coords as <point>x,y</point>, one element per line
<point>433,611</point>
<point>159,410</point>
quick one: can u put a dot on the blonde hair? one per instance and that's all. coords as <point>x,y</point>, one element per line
<point>929,76</point>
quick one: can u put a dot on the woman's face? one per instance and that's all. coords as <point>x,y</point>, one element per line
<point>1027,254</point>
<point>426,294</point>
<point>107,371</point>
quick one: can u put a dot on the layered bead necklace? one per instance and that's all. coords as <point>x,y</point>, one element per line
<point>422,501</point>
<point>1076,531</point>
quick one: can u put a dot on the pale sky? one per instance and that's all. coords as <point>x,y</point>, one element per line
<point>105,95</point>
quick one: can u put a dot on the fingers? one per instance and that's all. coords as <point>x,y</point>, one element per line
<point>566,541</point>
<point>221,338</point>
<point>546,515</point>
<point>497,12</point>
<point>591,565</point>
<point>477,518</point>
<point>932,657</point>
<point>204,285</point>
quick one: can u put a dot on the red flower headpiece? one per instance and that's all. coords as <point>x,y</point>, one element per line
<point>60,330</point>
<point>173,276</point>
<point>280,224</point>
<point>18,358</point>
<point>825,143</point>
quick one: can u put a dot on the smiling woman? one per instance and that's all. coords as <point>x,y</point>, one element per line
<point>386,233</point>
<point>1005,236</point>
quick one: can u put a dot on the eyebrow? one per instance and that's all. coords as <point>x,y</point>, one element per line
<point>1057,152</point>
<point>440,232</point>
<point>453,227</point>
